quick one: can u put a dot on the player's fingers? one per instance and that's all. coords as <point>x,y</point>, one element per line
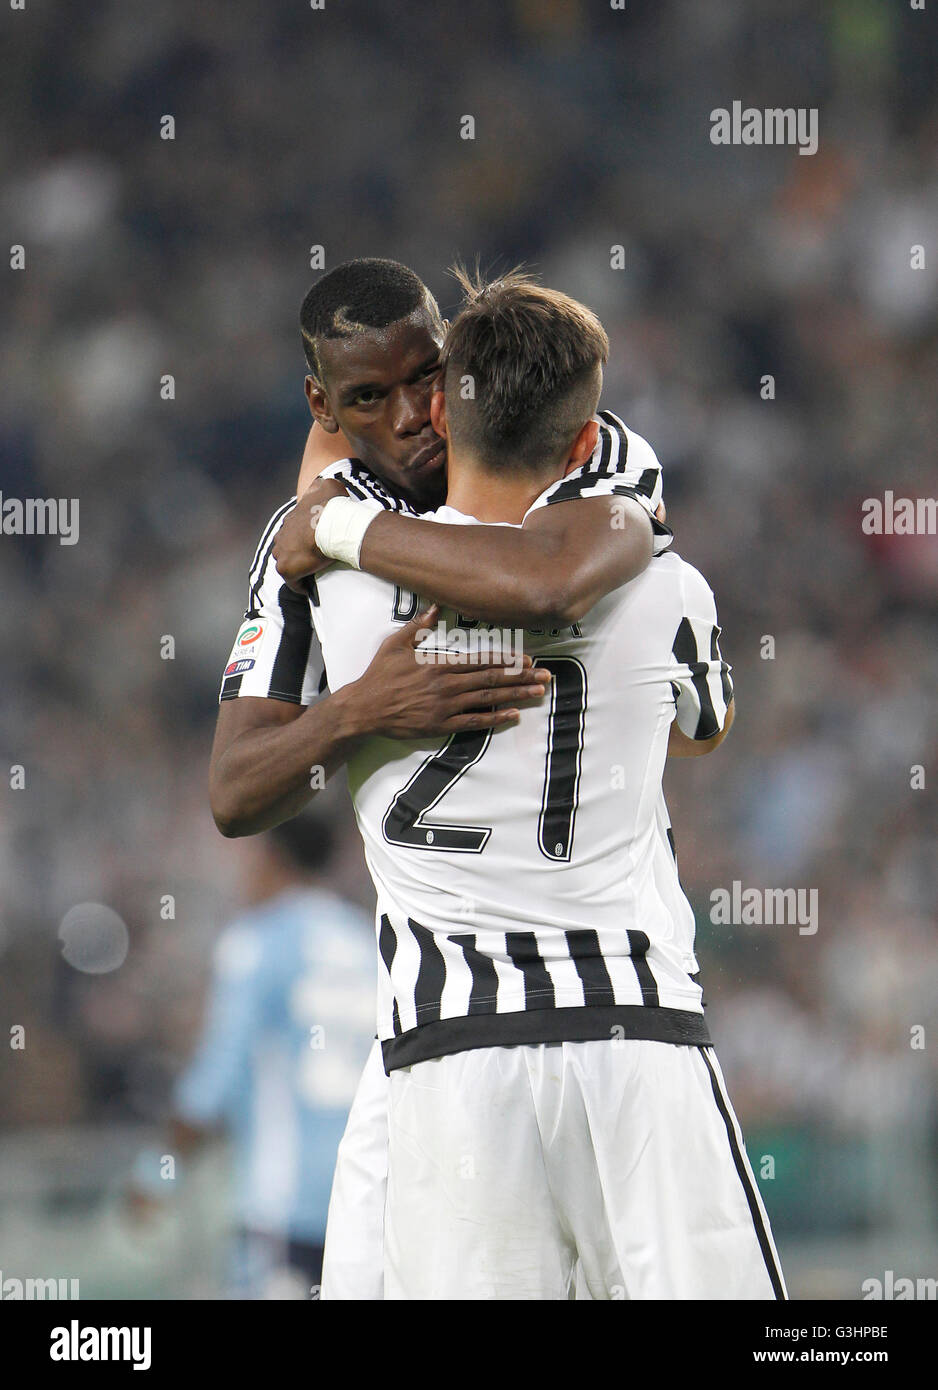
<point>481,719</point>
<point>412,632</point>
<point>463,661</point>
<point>511,696</point>
<point>491,678</point>
<point>458,662</point>
<point>415,630</point>
<point>486,672</point>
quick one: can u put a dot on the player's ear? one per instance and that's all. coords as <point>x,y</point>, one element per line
<point>583,445</point>
<point>319,406</point>
<point>438,410</point>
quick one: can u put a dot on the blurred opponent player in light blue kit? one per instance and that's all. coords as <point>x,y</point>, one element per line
<point>289,1022</point>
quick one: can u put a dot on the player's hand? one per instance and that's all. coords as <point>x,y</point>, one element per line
<point>412,698</point>
<point>295,543</point>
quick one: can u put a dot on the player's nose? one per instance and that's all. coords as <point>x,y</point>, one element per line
<point>410,411</point>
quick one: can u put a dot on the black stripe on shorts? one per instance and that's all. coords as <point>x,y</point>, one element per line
<point>762,1235</point>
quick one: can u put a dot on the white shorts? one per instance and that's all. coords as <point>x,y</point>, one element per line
<point>353,1260</point>
<point>601,1170</point>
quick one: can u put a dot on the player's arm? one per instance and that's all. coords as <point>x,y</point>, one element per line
<point>547,573</point>
<point>564,558</point>
<point>321,449</point>
<point>682,746</point>
<point>701,680</point>
<point>271,755</point>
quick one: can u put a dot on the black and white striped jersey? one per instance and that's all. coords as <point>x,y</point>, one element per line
<point>623,464</point>
<point>527,886</point>
<point>275,653</point>
<point>527,890</point>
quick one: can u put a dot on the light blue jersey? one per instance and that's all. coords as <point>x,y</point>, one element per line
<point>291,1017</point>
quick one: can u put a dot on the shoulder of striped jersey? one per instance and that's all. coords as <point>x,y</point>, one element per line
<point>263,555</point>
<point>697,593</point>
<point>362,483</point>
<point>267,535</point>
<point>634,452</point>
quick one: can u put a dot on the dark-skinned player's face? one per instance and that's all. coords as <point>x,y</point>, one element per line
<point>377,388</point>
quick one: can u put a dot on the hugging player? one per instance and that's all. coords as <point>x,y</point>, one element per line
<point>575,958</point>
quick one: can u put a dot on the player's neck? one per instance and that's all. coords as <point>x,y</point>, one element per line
<point>477,491</point>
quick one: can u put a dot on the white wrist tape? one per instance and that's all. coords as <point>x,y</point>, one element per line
<point>341,528</point>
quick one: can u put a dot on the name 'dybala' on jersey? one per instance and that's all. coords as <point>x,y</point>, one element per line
<point>487,636</point>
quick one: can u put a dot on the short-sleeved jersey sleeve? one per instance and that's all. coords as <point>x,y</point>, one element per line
<point>365,486</point>
<point>276,655</point>
<point>701,679</point>
<point>623,464</point>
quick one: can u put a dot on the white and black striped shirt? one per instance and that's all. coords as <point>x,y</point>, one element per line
<point>275,653</point>
<point>527,886</point>
<point>527,889</point>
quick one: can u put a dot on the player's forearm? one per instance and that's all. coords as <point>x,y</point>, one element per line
<point>267,775</point>
<point>492,572</point>
<point>500,574</point>
<point>320,450</point>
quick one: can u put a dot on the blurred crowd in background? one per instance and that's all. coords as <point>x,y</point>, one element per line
<point>340,128</point>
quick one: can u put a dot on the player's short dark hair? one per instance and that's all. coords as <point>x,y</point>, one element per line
<point>306,842</point>
<point>358,295</point>
<point>522,370</point>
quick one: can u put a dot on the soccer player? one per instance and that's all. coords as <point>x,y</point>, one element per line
<point>285,1036</point>
<point>554,1097</point>
<point>372,333</point>
<point>271,732</point>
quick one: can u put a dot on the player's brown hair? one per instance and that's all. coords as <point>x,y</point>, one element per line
<point>522,371</point>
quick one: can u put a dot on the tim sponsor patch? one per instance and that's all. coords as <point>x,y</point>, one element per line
<point>247,647</point>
